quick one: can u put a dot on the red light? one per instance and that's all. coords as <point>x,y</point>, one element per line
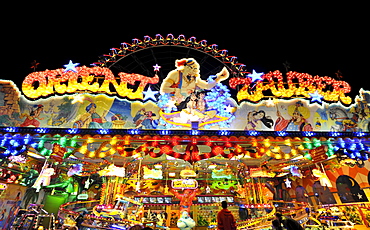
<point>166,149</point>
<point>217,150</point>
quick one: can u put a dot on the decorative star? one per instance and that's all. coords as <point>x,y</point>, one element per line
<point>288,183</point>
<point>78,98</point>
<point>150,94</point>
<point>156,67</point>
<point>71,66</point>
<point>255,76</point>
<point>229,109</point>
<point>359,196</point>
<point>270,102</point>
<point>171,104</point>
<point>208,189</point>
<point>316,97</point>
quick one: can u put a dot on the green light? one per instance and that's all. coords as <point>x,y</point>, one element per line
<point>308,156</point>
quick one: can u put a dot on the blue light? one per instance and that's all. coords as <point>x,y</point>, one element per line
<point>253,133</point>
<point>281,133</point>
<point>114,226</point>
<point>165,132</point>
<point>41,130</point>
<point>359,134</point>
<point>308,133</point>
<point>103,131</point>
<point>335,134</point>
<point>134,131</point>
<point>72,131</point>
<point>15,143</point>
<point>360,146</point>
<point>11,129</point>
<point>27,139</point>
<point>224,132</point>
<point>352,147</point>
<point>194,132</point>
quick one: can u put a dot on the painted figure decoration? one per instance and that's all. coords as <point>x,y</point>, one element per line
<point>184,99</point>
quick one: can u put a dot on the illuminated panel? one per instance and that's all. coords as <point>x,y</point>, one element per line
<point>59,81</point>
<point>312,87</point>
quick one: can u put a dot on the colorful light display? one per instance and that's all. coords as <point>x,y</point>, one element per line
<point>296,84</point>
<point>63,81</point>
<point>87,114</point>
<point>211,109</point>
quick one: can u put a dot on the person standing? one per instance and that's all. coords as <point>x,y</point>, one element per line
<point>225,219</point>
<point>276,225</point>
<point>288,223</point>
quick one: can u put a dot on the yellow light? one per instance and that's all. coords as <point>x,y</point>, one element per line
<point>307,84</point>
<point>277,156</point>
<point>276,149</point>
<point>287,142</point>
<point>266,143</point>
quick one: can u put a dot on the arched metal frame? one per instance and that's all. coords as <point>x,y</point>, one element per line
<point>127,49</point>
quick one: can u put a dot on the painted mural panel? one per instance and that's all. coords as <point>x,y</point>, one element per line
<point>82,97</point>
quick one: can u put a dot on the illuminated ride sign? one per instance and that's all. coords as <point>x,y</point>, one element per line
<point>95,98</point>
<point>298,84</point>
<point>80,79</point>
<point>84,79</point>
<point>184,184</point>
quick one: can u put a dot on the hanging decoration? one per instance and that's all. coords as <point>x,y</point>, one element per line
<point>288,183</point>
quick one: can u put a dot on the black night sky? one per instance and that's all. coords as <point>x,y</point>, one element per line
<point>318,42</point>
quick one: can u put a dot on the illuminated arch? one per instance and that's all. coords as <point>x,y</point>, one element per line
<point>221,55</point>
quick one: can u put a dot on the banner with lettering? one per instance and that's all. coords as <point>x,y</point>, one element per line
<point>84,97</point>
